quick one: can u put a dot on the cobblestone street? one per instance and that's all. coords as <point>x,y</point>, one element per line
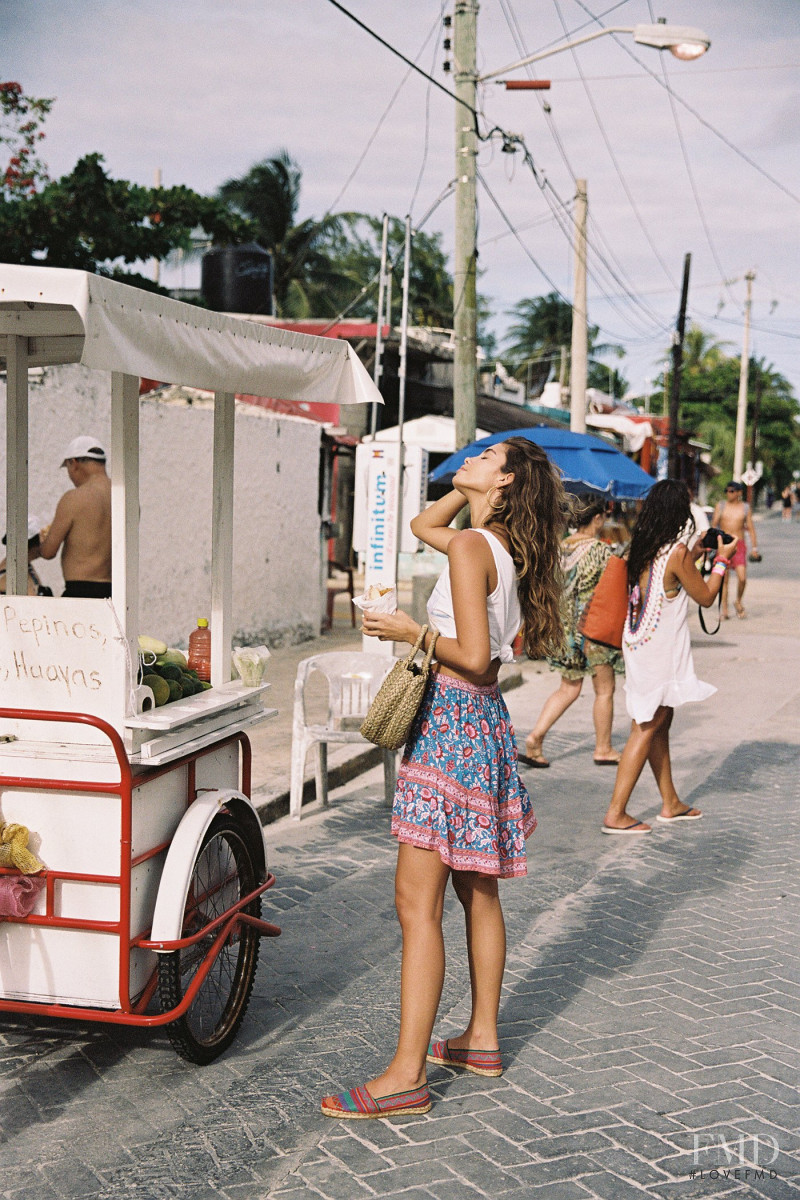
<point>651,1013</point>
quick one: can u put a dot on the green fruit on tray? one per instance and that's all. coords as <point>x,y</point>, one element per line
<point>172,656</point>
<point>187,686</point>
<point>159,687</point>
<point>175,690</point>
<point>169,671</point>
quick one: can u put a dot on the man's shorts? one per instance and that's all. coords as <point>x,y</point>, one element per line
<point>739,558</point>
<point>87,589</point>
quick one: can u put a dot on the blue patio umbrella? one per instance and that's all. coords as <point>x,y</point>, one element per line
<point>587,464</point>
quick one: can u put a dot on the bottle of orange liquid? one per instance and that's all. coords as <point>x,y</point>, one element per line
<point>199,656</point>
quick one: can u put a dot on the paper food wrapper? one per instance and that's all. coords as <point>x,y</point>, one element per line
<point>250,663</point>
<point>377,599</point>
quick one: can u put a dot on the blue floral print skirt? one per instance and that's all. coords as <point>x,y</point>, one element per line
<point>458,788</point>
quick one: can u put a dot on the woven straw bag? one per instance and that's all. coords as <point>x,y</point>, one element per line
<point>391,714</point>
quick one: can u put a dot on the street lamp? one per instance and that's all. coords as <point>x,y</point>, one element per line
<point>683,41</point>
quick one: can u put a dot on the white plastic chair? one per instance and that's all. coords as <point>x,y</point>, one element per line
<point>353,679</point>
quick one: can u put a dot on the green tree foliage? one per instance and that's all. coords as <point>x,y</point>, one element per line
<point>606,379</point>
<point>709,401</point>
<point>91,222</point>
<point>354,249</point>
<point>306,282</point>
<point>541,327</point>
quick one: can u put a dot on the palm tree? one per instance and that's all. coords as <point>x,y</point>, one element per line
<point>543,326</point>
<point>268,195</point>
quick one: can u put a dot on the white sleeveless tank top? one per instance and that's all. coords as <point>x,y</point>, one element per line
<point>505,616</point>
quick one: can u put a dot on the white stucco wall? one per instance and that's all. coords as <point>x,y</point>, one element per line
<point>276,596</point>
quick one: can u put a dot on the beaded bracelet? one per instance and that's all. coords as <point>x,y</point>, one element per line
<point>720,558</point>
<point>720,568</point>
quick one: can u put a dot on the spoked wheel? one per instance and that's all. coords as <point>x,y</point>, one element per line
<point>224,871</point>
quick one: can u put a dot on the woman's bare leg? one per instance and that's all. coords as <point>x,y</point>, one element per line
<point>554,707</point>
<point>420,884</point>
<point>603,711</point>
<point>634,756</point>
<point>661,766</point>
<point>486,949</point>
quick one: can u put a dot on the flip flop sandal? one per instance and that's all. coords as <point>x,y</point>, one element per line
<point>629,829</point>
<point>360,1105</point>
<point>606,762</point>
<point>478,1062</point>
<point>691,814</point>
<point>540,763</point>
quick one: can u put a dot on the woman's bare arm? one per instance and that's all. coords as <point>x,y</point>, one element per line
<point>432,524</point>
<point>681,569</point>
<point>471,564</point>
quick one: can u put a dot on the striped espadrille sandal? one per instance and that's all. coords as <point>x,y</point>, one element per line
<point>479,1062</point>
<point>359,1104</point>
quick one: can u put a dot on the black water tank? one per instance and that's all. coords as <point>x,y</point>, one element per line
<point>238,279</point>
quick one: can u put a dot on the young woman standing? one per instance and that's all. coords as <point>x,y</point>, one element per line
<point>659,669</point>
<point>460,811</point>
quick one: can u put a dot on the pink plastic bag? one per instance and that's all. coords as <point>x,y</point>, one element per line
<point>18,894</point>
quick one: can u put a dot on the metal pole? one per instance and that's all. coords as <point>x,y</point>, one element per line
<point>401,396</point>
<point>677,362</point>
<point>378,371</point>
<point>465,22</point>
<point>156,263</point>
<point>17,466</point>
<point>744,366</point>
<point>580,350</point>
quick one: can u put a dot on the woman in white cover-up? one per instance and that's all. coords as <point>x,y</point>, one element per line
<point>656,647</point>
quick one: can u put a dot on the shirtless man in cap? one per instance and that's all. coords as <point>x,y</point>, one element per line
<point>733,516</point>
<point>81,528</point>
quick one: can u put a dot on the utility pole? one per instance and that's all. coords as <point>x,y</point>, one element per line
<point>465,26</point>
<point>580,351</point>
<point>744,367</point>
<point>156,262</point>
<point>677,363</point>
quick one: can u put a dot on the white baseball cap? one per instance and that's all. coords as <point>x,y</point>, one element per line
<point>85,447</point>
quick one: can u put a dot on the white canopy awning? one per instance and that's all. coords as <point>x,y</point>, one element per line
<point>634,433</point>
<point>74,316</point>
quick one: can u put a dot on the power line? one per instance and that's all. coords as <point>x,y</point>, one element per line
<point>717,133</point>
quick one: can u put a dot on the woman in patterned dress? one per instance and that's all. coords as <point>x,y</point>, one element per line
<point>583,560</point>
<point>659,669</point>
<point>460,811</point>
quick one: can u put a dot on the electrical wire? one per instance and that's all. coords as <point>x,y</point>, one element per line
<point>617,273</point>
<point>717,133</point>
<point>690,172</point>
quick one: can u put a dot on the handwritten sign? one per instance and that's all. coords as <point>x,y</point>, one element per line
<point>62,655</point>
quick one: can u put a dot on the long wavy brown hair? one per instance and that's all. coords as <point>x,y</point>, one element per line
<point>532,512</point>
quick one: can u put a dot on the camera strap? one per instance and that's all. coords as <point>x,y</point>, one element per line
<point>705,571</point>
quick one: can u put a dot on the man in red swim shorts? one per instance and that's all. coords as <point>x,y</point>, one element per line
<point>733,516</point>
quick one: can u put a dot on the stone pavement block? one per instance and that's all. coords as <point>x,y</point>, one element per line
<point>642,1143</point>
<point>565,1123</point>
<point>502,1150</point>
<point>570,1168</point>
<point>591,1098</point>
<point>559,1190</point>
<point>583,1142</point>
<point>522,1129</point>
<point>396,1179</point>
<point>611,1187</point>
<point>454,1189</point>
<point>329,1180</point>
<point>356,1156</point>
<point>435,1146</point>
<point>730,1072</point>
<point>702,1096</point>
<point>697,1189</point>
<point>628,1166</point>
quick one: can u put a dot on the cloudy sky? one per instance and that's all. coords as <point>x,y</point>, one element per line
<point>204,88</point>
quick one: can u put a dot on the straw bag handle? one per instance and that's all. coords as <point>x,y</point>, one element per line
<point>412,654</point>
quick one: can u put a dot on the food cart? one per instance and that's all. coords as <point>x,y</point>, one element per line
<point>149,908</point>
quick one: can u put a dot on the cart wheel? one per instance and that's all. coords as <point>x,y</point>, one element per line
<point>223,872</point>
